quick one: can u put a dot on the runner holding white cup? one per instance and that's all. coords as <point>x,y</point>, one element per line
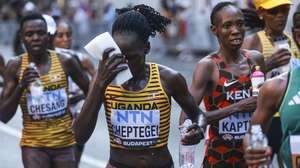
<point>96,48</point>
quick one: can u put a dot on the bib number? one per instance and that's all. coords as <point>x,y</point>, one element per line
<point>135,128</point>
<point>234,126</point>
<point>51,104</point>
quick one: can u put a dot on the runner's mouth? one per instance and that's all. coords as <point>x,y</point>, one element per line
<point>236,41</point>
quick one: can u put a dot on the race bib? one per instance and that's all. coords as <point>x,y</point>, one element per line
<point>51,104</point>
<point>234,126</point>
<point>135,128</point>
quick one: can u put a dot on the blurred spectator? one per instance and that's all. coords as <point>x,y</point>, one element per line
<point>21,8</point>
<point>176,31</point>
<point>296,26</point>
<point>109,16</point>
<point>81,22</point>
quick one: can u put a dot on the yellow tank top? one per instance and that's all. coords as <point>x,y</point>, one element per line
<point>138,119</point>
<point>268,49</point>
<point>47,122</point>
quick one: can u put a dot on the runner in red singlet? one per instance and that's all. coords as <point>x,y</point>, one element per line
<point>222,80</point>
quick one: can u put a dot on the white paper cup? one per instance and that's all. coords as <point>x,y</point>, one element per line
<point>96,48</point>
<point>101,42</point>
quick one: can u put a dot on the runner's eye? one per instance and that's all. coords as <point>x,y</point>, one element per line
<point>227,25</point>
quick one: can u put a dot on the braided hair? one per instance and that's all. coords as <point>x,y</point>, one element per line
<point>141,19</point>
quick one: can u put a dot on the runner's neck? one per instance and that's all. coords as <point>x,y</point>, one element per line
<point>273,35</point>
<point>230,56</point>
<point>39,58</point>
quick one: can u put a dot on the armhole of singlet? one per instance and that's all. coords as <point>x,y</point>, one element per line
<point>289,81</point>
<point>156,66</point>
<point>262,38</point>
<point>215,61</point>
<point>22,65</point>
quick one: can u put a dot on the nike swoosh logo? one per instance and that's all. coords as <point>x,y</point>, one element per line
<point>226,84</point>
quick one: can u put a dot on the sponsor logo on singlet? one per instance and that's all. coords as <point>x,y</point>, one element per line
<point>51,104</point>
<point>238,94</point>
<point>135,125</point>
<point>295,100</point>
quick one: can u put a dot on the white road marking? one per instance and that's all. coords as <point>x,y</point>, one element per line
<point>84,159</point>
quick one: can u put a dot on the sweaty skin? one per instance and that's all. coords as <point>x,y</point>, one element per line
<point>35,38</point>
<point>230,31</point>
<point>268,104</point>
<point>173,83</point>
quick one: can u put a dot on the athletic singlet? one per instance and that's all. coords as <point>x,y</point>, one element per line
<point>289,115</point>
<point>138,119</point>
<point>224,144</point>
<point>268,49</point>
<point>47,123</point>
<point>73,87</point>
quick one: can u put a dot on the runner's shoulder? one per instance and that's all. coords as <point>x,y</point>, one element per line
<point>65,58</point>
<point>208,63</point>
<point>172,81</point>
<point>67,61</point>
<point>168,73</point>
<point>255,55</point>
<point>279,82</point>
<point>14,64</point>
<point>251,41</point>
<point>251,38</point>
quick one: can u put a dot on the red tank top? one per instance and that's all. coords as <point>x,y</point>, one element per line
<point>224,145</point>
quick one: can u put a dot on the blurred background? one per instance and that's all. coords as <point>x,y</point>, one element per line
<point>188,35</point>
<point>187,39</point>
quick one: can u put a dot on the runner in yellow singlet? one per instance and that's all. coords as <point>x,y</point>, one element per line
<point>138,111</point>
<point>47,137</point>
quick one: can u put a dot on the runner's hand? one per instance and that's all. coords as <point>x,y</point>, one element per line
<point>194,135</point>
<point>29,76</point>
<point>109,66</point>
<point>256,157</point>
<point>279,58</point>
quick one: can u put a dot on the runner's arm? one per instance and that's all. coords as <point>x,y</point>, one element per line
<point>11,93</point>
<point>88,65</point>
<point>269,100</point>
<point>86,121</point>
<point>204,81</point>
<point>202,78</point>
<point>179,91</point>
<point>73,69</point>
<point>176,87</point>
